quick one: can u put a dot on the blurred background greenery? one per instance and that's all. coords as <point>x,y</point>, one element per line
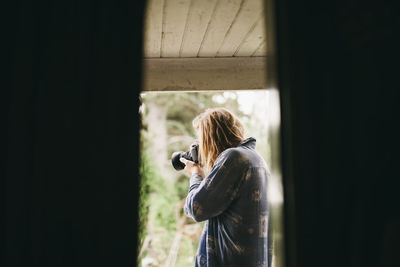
<point>167,237</point>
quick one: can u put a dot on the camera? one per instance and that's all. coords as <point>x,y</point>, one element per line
<point>192,155</point>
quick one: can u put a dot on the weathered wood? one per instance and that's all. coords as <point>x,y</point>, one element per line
<point>174,20</point>
<point>194,74</point>
<point>220,22</point>
<point>198,19</point>
<point>261,50</point>
<point>244,22</point>
<point>153,28</point>
<point>203,28</point>
<point>254,39</point>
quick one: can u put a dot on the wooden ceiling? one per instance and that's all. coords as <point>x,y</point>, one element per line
<point>204,28</point>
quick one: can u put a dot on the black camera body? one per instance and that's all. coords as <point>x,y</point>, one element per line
<point>192,155</point>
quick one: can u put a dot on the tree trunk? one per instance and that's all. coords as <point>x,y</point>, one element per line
<point>157,128</point>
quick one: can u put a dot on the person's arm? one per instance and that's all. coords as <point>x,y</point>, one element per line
<point>209,197</point>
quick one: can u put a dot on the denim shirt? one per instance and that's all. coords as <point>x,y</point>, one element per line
<point>233,201</point>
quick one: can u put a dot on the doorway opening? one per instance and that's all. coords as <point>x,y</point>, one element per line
<point>167,236</point>
<point>200,54</point>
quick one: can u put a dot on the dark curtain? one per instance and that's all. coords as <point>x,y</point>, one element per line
<point>71,132</point>
<point>338,75</point>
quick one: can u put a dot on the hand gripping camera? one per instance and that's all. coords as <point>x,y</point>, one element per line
<point>192,155</point>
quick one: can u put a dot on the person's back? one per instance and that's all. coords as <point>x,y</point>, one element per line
<point>232,197</point>
<point>238,235</point>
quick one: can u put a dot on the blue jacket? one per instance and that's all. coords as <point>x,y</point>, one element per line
<point>233,200</point>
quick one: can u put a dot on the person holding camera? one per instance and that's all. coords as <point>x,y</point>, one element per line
<point>228,190</point>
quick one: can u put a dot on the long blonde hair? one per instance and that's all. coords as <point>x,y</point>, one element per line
<point>217,130</point>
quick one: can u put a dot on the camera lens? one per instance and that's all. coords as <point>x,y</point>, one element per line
<point>176,162</point>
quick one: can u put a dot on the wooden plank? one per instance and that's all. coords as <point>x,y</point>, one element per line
<point>174,21</point>
<point>221,20</point>
<point>153,28</point>
<point>253,40</point>
<point>261,50</point>
<point>194,74</point>
<point>245,21</point>
<point>198,19</point>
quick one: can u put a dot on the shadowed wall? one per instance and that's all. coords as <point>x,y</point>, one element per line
<point>339,93</point>
<point>73,81</point>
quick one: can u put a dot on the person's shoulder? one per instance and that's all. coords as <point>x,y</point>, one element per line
<point>234,155</point>
<point>244,157</point>
<point>230,152</point>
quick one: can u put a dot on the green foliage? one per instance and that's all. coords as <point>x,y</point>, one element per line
<point>187,252</point>
<point>181,186</point>
<point>152,183</point>
<point>157,202</point>
<point>164,205</point>
<point>148,174</point>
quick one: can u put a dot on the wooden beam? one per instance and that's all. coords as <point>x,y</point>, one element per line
<point>197,74</point>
